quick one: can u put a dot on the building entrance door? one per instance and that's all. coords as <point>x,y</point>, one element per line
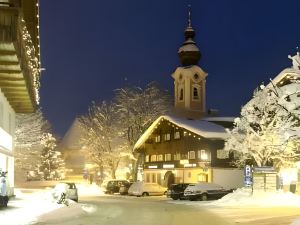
<point>169,178</point>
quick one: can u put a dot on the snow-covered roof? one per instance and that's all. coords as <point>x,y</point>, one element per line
<point>283,74</point>
<point>199,127</point>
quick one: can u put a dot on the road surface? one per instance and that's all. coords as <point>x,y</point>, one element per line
<point>126,210</point>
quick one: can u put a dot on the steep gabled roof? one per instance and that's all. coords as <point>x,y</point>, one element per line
<point>200,127</point>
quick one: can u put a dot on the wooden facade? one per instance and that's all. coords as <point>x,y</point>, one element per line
<point>172,149</point>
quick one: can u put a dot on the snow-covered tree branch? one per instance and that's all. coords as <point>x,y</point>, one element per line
<point>28,135</point>
<point>268,131</point>
<point>102,138</point>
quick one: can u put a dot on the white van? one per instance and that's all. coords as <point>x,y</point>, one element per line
<point>146,189</point>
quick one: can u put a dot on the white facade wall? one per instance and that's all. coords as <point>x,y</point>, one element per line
<point>7,130</point>
<point>228,178</point>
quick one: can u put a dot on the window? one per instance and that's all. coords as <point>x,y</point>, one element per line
<point>184,156</point>
<point>157,138</point>
<point>177,156</point>
<point>153,178</point>
<point>147,158</point>
<point>160,158</point>
<point>203,155</point>
<point>196,92</point>
<point>191,155</point>
<point>167,137</point>
<point>222,154</point>
<point>148,178</point>
<point>153,158</point>
<point>158,178</point>
<point>168,157</point>
<point>181,94</point>
<point>177,135</point>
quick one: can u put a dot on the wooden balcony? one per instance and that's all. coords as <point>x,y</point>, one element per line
<point>19,61</point>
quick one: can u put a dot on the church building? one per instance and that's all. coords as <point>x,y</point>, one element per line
<point>187,145</point>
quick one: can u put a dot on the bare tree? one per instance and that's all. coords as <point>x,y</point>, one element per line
<point>137,108</point>
<point>102,138</point>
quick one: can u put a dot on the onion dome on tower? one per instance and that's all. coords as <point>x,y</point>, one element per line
<point>189,53</point>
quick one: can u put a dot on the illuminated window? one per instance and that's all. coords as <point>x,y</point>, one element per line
<point>158,176</point>
<point>177,156</point>
<point>203,155</point>
<point>168,157</point>
<point>191,155</point>
<point>148,178</point>
<point>157,138</point>
<point>153,178</point>
<point>167,137</point>
<point>160,158</point>
<point>153,158</point>
<point>147,158</point>
<point>177,135</point>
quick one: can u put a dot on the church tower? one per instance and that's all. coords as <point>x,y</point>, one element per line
<point>189,79</point>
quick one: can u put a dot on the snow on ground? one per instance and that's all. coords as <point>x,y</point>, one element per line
<point>31,206</point>
<point>243,197</point>
<point>296,222</point>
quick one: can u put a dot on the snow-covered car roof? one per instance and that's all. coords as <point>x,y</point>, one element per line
<point>200,127</point>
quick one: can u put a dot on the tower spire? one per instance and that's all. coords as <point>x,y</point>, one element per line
<point>189,53</point>
<point>189,18</point>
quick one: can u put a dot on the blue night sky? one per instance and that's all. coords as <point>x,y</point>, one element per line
<point>90,48</point>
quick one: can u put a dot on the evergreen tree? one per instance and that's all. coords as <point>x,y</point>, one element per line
<point>52,164</point>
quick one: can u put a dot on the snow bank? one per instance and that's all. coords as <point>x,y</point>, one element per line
<point>31,206</point>
<point>26,207</point>
<point>296,222</point>
<point>243,197</point>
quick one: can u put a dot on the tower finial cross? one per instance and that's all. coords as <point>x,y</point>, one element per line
<point>190,12</point>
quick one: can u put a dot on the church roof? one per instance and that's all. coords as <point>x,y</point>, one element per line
<point>200,127</point>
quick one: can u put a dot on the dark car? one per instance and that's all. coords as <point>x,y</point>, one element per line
<point>176,191</point>
<point>124,188</point>
<point>205,191</point>
<point>113,186</point>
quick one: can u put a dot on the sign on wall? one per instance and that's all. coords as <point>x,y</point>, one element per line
<point>264,179</point>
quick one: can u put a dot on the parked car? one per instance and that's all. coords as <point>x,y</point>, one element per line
<point>68,190</point>
<point>146,189</point>
<point>113,186</point>
<point>205,191</point>
<point>124,188</point>
<point>176,191</point>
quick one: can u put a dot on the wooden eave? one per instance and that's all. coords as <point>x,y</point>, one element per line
<point>16,80</point>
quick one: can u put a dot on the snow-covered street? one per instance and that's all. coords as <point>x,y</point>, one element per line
<point>37,207</point>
